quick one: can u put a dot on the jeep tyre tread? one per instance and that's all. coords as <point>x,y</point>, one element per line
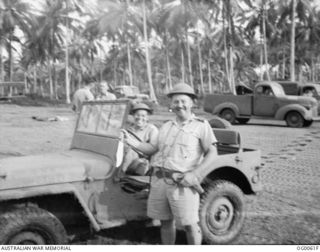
<point>222,212</point>
<point>31,226</point>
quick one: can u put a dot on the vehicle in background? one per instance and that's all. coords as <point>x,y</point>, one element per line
<point>267,101</point>
<point>131,92</point>
<point>302,89</point>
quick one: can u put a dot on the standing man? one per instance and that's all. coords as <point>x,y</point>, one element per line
<point>104,93</point>
<point>186,146</point>
<point>81,95</point>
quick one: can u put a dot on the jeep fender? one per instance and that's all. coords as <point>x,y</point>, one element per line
<point>23,193</point>
<point>227,164</point>
<point>226,105</point>
<point>281,113</point>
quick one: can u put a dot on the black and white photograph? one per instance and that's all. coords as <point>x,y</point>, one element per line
<point>159,122</point>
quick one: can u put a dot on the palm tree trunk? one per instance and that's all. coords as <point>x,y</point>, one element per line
<point>283,65</point>
<point>35,79</point>
<point>231,70</point>
<point>265,42</point>
<point>200,66</point>
<point>115,73</point>
<point>292,43</point>
<point>169,68</point>
<point>261,63</point>
<point>41,87</point>
<point>10,61</point>
<point>1,63</point>
<point>232,85</point>
<point>182,65</point>
<point>55,83</point>
<point>50,79</point>
<point>209,73</point>
<point>129,64</point>
<point>225,48</point>
<point>1,68</point>
<point>79,80</point>
<point>152,93</point>
<point>189,59</point>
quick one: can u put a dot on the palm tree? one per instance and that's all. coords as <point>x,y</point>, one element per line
<point>13,14</point>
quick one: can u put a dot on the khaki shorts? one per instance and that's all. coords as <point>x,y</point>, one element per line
<point>168,202</point>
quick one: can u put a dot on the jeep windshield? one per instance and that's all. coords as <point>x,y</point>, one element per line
<point>102,118</point>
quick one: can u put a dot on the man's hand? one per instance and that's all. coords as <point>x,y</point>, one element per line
<point>130,140</point>
<point>189,179</point>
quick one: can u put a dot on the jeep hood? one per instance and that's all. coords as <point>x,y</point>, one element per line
<point>37,170</point>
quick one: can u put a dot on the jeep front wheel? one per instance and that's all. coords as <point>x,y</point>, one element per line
<point>222,212</point>
<point>294,119</point>
<point>31,226</point>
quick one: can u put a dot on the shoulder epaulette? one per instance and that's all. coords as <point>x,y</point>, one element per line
<point>199,119</point>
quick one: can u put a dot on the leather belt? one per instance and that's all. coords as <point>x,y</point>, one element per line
<point>161,172</point>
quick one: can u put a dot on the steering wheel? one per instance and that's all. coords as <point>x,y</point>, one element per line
<point>134,135</point>
<point>140,140</point>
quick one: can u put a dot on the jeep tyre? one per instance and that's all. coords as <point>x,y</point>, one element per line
<point>229,115</point>
<point>31,226</point>
<point>222,212</point>
<point>294,119</point>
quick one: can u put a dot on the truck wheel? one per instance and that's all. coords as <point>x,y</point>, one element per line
<point>31,226</point>
<point>243,120</point>
<point>307,123</point>
<point>228,115</point>
<point>222,212</point>
<point>294,119</point>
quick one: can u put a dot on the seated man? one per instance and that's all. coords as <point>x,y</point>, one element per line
<point>268,91</point>
<point>146,136</point>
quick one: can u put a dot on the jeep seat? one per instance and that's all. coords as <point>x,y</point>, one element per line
<point>227,137</point>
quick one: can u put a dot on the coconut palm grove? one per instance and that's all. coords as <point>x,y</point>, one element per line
<point>55,45</point>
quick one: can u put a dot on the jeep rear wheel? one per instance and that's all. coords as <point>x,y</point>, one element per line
<point>229,115</point>
<point>222,212</point>
<point>294,119</point>
<point>32,226</point>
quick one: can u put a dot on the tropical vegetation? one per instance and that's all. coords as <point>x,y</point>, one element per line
<point>55,45</point>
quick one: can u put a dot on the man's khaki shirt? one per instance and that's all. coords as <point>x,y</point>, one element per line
<point>181,148</point>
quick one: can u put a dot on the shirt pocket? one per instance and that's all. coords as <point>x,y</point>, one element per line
<point>188,145</point>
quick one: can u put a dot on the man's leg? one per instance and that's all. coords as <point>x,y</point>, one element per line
<point>168,232</point>
<point>194,236</point>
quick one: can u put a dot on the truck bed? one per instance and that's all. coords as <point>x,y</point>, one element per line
<point>244,102</point>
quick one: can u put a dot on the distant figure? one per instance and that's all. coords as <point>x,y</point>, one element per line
<point>268,92</point>
<point>308,92</point>
<point>82,95</point>
<point>104,93</point>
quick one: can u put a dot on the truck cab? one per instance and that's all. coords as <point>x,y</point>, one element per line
<point>308,89</point>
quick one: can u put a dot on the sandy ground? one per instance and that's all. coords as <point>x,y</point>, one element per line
<point>286,212</point>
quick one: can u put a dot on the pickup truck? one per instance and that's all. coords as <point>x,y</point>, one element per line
<point>302,89</point>
<point>268,101</point>
<point>43,196</point>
